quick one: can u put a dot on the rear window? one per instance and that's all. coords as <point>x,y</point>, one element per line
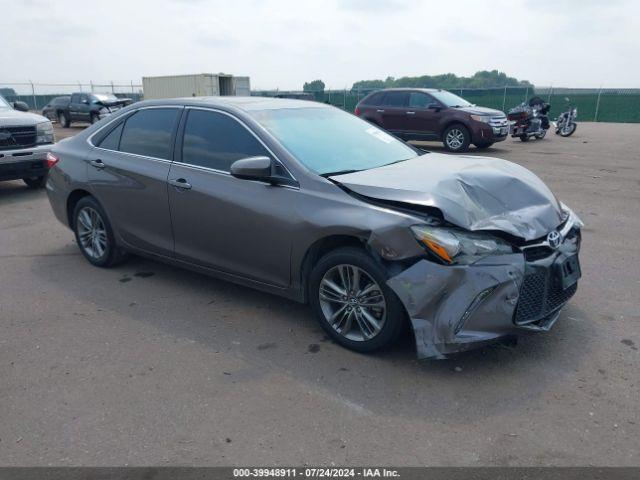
<point>149,132</point>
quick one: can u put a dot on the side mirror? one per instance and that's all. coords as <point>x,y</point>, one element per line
<point>434,106</point>
<point>85,101</point>
<point>253,168</point>
<point>21,106</point>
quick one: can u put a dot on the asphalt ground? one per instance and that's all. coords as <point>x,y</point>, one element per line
<point>146,364</point>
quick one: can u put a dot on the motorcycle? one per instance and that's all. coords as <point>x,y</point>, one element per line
<point>565,124</point>
<point>529,119</point>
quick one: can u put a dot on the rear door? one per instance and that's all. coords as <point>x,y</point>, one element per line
<point>128,175</point>
<point>394,111</point>
<point>74,107</point>
<point>422,121</point>
<point>236,226</point>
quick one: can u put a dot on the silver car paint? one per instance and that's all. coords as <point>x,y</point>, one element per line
<point>263,236</point>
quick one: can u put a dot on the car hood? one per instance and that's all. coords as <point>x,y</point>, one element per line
<point>475,193</point>
<point>10,117</point>
<point>473,110</point>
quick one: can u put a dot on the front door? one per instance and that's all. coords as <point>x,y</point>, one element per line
<point>422,121</point>
<point>128,173</point>
<point>393,111</point>
<point>236,226</point>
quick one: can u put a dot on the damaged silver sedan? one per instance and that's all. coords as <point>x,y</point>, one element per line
<point>306,201</point>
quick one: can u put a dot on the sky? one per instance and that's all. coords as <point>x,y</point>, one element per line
<point>283,43</point>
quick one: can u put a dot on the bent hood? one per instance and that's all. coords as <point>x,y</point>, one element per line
<point>475,193</point>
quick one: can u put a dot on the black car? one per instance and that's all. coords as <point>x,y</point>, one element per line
<point>90,107</point>
<point>52,109</point>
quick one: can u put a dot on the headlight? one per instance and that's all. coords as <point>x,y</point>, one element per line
<point>481,118</point>
<point>44,133</point>
<point>572,218</point>
<point>458,246</point>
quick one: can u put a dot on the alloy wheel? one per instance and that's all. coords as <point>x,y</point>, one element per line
<point>92,232</point>
<point>455,138</point>
<point>352,302</point>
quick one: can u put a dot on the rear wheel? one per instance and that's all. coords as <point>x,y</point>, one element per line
<point>524,138</point>
<point>35,182</point>
<point>541,135</point>
<point>483,146</point>
<point>94,234</point>
<point>456,138</point>
<point>351,300</point>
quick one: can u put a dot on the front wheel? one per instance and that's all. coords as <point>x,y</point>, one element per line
<point>94,234</point>
<point>568,130</point>
<point>351,300</point>
<point>456,138</point>
<point>35,182</point>
<point>94,118</point>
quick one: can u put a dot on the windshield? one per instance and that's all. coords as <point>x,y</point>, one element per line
<point>328,140</point>
<point>449,99</point>
<point>104,97</point>
<point>4,103</point>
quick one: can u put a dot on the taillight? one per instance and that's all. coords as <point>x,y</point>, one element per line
<point>357,111</point>
<point>51,160</point>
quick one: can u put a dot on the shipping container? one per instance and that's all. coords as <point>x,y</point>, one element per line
<point>199,85</point>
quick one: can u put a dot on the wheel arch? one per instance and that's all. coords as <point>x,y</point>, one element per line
<point>451,122</point>
<point>321,247</point>
<point>72,200</point>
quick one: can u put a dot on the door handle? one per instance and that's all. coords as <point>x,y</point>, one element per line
<point>380,111</point>
<point>411,113</point>
<point>180,183</point>
<point>99,164</point>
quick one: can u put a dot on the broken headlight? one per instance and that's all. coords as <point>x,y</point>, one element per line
<point>455,246</point>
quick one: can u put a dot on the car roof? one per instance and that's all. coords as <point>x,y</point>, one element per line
<point>239,103</point>
<point>408,89</point>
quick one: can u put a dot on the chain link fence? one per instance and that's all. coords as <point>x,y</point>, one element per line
<point>37,95</point>
<point>594,105</point>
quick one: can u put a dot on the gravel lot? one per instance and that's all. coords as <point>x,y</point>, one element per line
<point>146,364</point>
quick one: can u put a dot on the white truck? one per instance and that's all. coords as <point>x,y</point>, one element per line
<point>25,142</point>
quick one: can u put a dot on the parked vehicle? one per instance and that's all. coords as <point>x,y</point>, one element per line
<point>52,109</point>
<point>89,107</point>
<point>25,141</point>
<point>365,228</point>
<point>566,121</point>
<point>530,119</point>
<point>431,114</point>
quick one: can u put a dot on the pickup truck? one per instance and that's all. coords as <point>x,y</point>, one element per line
<point>25,143</point>
<point>88,107</point>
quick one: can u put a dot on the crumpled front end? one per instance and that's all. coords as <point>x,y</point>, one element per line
<point>453,308</point>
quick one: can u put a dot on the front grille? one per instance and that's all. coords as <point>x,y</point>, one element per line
<point>540,295</point>
<point>17,137</point>
<point>498,121</point>
<point>533,254</point>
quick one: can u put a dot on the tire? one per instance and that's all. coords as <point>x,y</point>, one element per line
<point>94,118</point>
<point>63,120</point>
<point>483,146</point>
<point>524,138</point>
<point>572,128</point>
<point>103,252</point>
<point>456,138</point>
<point>541,135</point>
<point>353,327</point>
<point>35,182</point>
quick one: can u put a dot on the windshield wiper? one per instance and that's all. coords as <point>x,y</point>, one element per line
<point>339,172</point>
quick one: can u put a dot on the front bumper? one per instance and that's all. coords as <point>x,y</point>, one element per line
<point>24,162</point>
<point>453,308</point>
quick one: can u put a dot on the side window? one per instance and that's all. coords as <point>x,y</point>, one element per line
<point>420,100</point>
<point>75,98</point>
<point>215,140</point>
<point>84,98</point>
<point>395,99</point>
<point>148,132</point>
<point>112,140</point>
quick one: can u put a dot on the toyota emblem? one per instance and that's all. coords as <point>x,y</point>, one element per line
<point>554,239</point>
